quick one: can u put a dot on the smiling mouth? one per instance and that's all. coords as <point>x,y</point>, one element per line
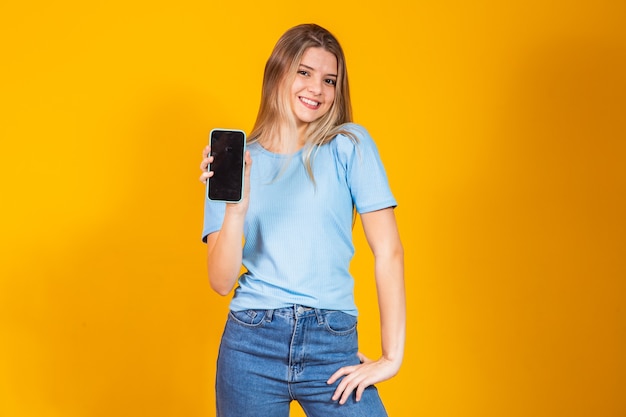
<point>310,103</point>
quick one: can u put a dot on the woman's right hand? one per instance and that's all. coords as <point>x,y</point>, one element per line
<point>207,159</point>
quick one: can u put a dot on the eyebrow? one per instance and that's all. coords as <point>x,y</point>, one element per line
<point>313,69</point>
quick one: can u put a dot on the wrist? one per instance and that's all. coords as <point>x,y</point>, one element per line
<point>235,211</point>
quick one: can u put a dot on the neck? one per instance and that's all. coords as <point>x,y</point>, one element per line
<point>286,141</point>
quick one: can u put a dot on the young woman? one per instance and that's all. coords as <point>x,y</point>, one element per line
<point>291,331</point>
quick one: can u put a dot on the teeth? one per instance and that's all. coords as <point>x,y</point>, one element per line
<point>309,102</point>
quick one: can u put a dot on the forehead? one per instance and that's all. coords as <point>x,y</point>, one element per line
<point>320,59</point>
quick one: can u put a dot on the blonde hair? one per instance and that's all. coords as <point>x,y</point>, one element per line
<point>280,70</point>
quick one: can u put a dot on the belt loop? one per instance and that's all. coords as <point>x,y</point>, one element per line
<point>268,315</point>
<point>319,315</point>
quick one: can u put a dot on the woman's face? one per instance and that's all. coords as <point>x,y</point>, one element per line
<point>313,89</point>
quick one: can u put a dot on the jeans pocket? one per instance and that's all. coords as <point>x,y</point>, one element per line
<point>340,323</point>
<point>248,318</point>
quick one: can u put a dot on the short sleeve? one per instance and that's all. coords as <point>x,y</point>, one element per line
<point>213,217</point>
<point>365,172</point>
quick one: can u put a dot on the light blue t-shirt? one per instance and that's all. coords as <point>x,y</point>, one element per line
<point>298,235</point>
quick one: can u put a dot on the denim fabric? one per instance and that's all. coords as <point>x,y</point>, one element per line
<point>269,358</point>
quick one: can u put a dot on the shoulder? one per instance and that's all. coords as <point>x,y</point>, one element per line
<point>353,137</point>
<point>354,140</point>
<point>355,130</point>
<point>353,147</point>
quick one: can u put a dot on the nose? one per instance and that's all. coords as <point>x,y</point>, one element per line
<point>315,85</point>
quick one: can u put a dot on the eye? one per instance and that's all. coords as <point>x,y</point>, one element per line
<point>330,81</point>
<point>303,72</point>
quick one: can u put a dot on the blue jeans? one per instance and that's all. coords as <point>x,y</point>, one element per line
<point>268,358</point>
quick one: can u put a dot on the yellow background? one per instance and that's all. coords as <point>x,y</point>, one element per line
<point>502,126</point>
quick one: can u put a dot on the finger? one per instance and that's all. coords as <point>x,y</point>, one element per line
<point>205,176</point>
<point>205,151</point>
<point>339,373</point>
<point>359,392</point>
<point>347,392</point>
<point>340,391</point>
<point>204,165</point>
<point>359,384</point>
<point>345,387</point>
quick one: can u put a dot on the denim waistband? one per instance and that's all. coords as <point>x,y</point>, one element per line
<point>297,311</point>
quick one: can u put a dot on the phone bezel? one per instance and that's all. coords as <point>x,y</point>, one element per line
<point>243,165</point>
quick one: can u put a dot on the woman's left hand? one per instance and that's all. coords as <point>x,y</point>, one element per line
<point>358,377</point>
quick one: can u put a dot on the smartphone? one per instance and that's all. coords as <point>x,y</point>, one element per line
<point>227,148</point>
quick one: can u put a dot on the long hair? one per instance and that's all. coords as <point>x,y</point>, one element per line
<point>280,70</point>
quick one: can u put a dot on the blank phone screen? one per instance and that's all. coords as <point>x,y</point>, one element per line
<point>227,149</point>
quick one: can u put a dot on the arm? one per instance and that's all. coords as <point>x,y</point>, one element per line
<point>224,253</point>
<point>383,238</point>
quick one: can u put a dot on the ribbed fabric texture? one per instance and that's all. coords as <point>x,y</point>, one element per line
<point>298,235</point>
